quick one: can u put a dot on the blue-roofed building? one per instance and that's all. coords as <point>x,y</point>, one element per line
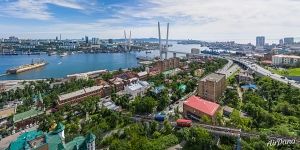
<point>158,89</point>
<point>249,86</point>
<point>55,140</point>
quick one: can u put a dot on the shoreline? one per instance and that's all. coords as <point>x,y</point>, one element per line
<point>28,80</point>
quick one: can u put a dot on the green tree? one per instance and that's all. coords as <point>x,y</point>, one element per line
<point>198,138</point>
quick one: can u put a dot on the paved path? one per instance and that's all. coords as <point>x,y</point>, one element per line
<point>178,146</point>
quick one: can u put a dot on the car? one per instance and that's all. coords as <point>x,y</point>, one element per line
<point>177,102</point>
<point>282,77</point>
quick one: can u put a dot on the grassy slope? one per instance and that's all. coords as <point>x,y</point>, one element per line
<point>291,72</point>
<point>294,72</point>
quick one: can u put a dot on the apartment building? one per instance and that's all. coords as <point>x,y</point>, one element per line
<point>290,60</point>
<point>212,86</point>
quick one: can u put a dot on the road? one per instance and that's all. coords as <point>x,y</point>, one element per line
<point>226,67</point>
<point>230,71</point>
<point>265,72</point>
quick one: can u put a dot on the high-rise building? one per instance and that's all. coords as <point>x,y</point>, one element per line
<point>86,39</point>
<point>56,38</point>
<point>260,41</point>
<point>12,39</point>
<point>288,40</point>
<point>110,41</point>
<point>212,86</point>
<point>95,41</point>
<point>281,42</point>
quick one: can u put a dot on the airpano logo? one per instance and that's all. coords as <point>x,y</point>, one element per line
<point>279,142</point>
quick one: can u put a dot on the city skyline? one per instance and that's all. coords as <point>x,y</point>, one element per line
<point>232,20</point>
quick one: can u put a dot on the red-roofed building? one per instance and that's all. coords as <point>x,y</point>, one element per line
<point>195,108</point>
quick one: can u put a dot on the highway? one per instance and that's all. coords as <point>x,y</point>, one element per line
<point>229,69</point>
<point>265,72</point>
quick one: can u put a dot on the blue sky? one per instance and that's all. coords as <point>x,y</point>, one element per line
<point>211,20</point>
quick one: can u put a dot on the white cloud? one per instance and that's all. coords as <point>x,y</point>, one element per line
<point>239,20</point>
<point>37,9</point>
<point>223,19</point>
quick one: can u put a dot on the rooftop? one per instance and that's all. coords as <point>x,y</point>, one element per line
<point>79,92</point>
<point>172,71</point>
<point>126,75</point>
<point>249,86</point>
<point>213,77</point>
<point>287,56</point>
<point>202,105</point>
<point>138,85</point>
<point>27,114</point>
<point>21,141</point>
<point>135,87</point>
<point>52,139</point>
<point>140,74</point>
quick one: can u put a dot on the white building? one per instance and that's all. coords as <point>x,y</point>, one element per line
<point>137,88</point>
<point>285,59</point>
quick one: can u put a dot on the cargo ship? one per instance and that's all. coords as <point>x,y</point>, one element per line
<point>26,67</point>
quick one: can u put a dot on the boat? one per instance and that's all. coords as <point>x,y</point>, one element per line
<point>142,58</point>
<point>63,54</point>
<point>51,53</point>
<point>148,52</point>
<point>26,67</point>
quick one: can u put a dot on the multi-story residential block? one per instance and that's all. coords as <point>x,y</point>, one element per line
<point>212,86</point>
<point>167,64</point>
<point>291,60</point>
